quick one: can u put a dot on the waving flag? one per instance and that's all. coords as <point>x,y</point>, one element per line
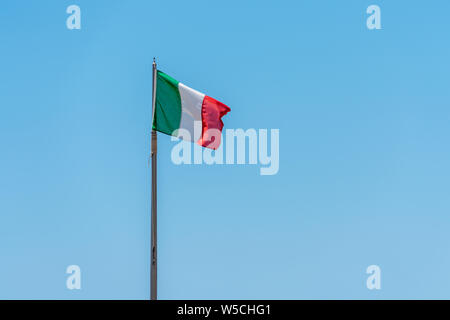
<point>178,106</point>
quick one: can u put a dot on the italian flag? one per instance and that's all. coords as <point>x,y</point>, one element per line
<point>181,107</point>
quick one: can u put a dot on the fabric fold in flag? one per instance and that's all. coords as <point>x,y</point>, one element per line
<point>181,107</point>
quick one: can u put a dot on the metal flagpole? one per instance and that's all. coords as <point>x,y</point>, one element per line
<point>153,278</point>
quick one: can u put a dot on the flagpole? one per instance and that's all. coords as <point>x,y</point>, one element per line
<point>153,253</point>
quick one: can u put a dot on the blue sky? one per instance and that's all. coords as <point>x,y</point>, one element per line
<point>364,159</point>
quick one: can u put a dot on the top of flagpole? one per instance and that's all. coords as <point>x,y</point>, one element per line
<point>153,88</point>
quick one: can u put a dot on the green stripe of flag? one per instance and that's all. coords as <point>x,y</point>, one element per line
<point>168,104</point>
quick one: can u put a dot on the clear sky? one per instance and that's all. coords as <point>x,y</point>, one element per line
<point>364,150</point>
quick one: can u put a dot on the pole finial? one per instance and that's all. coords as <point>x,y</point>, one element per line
<point>154,60</point>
